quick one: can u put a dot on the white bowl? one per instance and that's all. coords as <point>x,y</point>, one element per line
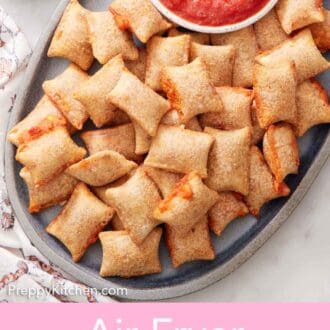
<point>213,29</point>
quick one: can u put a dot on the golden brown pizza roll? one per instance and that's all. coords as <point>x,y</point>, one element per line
<point>263,186</point>
<point>190,90</point>
<point>229,207</point>
<point>275,89</point>
<point>142,104</point>
<point>163,52</point>
<point>245,44</point>
<point>54,192</point>
<point>134,202</point>
<point>121,257</point>
<point>258,132</point>
<point>139,16</point>
<point>60,91</point>
<point>71,38</point>
<point>313,106</point>
<point>80,221</point>
<point>93,93</point>
<point>281,151</point>
<point>321,32</point>
<point>138,66</point>
<point>172,118</point>
<point>200,38</point>
<point>180,150</point>
<point>192,246</point>
<point>295,15</point>
<point>219,61</point>
<point>49,155</point>
<point>142,140</point>
<point>107,39</point>
<point>228,165</point>
<point>186,205</point>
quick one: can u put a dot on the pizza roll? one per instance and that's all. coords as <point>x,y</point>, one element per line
<point>80,221</point>
<point>190,90</point>
<point>142,139</point>
<point>200,38</point>
<point>107,39</point>
<point>138,66</point>
<point>192,246</point>
<point>163,52</point>
<point>263,186</point>
<point>295,15</point>
<point>49,155</point>
<point>180,150</point>
<point>93,93</point>
<point>186,205</point>
<point>119,118</point>
<point>71,38</point>
<point>321,32</point>
<point>122,257</point>
<point>228,165</point>
<point>258,132</point>
<point>219,61</point>
<point>134,202</point>
<point>281,151</point>
<point>275,89</point>
<point>142,104</point>
<point>60,91</point>
<point>313,106</point>
<point>54,192</point>
<point>172,118</point>
<point>139,16</point>
<point>229,207</point>
<point>245,44</point>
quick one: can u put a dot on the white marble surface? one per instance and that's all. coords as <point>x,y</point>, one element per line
<point>294,265</point>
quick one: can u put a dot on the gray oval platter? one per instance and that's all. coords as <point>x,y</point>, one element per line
<point>240,240</point>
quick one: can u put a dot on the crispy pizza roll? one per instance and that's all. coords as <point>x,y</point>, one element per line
<point>172,118</point>
<point>245,44</point>
<point>275,89</point>
<point>295,15</point>
<point>281,151</point>
<point>180,150</point>
<point>142,104</point>
<point>93,93</point>
<point>134,202</point>
<point>228,165</point>
<point>138,66</point>
<point>200,38</point>
<point>190,90</point>
<point>60,91</point>
<point>301,49</point>
<point>54,192</point>
<point>219,61</point>
<point>321,32</point>
<point>258,132</point>
<point>122,257</point>
<point>192,246</point>
<point>142,140</point>
<point>229,207</point>
<point>139,16</point>
<point>80,221</point>
<point>263,186</point>
<point>163,52</point>
<point>71,38</point>
<point>49,155</point>
<point>107,39</point>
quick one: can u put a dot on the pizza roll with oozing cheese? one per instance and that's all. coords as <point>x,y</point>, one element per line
<point>49,155</point>
<point>142,139</point>
<point>139,16</point>
<point>141,104</point>
<point>180,150</point>
<point>60,91</point>
<point>54,192</point>
<point>172,118</point>
<point>81,220</point>
<point>122,257</point>
<point>107,39</point>
<point>275,89</point>
<point>228,165</point>
<point>321,32</point>
<point>219,61</point>
<point>263,186</point>
<point>245,44</point>
<point>190,90</point>
<point>258,132</point>
<point>93,93</point>
<point>138,66</point>
<point>163,52</point>
<point>281,152</point>
<point>295,15</point>
<point>134,202</point>
<point>71,38</point>
<point>200,38</point>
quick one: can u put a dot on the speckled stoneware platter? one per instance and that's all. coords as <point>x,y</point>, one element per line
<point>240,240</point>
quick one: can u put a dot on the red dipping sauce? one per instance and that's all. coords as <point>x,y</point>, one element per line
<point>215,12</point>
